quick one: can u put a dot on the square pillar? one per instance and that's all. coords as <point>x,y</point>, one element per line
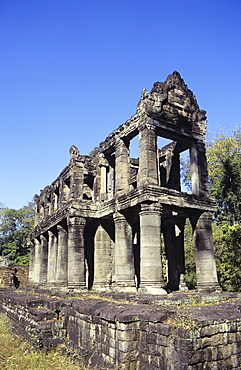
<point>204,253</point>
<point>148,164</point>
<point>44,259</point>
<point>199,172</point>
<point>76,253</point>
<point>62,257</point>
<point>31,263</point>
<point>151,279</point>
<point>52,257</point>
<point>122,166</point>
<point>76,180</point>
<point>124,256</point>
<point>37,261</point>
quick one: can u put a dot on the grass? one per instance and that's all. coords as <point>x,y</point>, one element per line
<point>17,353</point>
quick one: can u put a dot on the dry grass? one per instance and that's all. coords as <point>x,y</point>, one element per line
<point>16,353</point>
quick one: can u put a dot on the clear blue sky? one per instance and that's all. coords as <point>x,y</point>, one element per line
<point>72,71</point>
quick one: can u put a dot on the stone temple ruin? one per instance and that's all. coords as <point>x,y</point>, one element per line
<point>101,222</point>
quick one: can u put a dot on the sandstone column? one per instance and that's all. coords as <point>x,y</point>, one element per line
<point>77,180</point>
<point>204,253</point>
<point>122,167</point>
<point>52,257</point>
<point>31,263</point>
<point>151,279</point>
<point>62,257</point>
<point>63,193</point>
<point>124,258</point>
<point>148,165</point>
<point>111,176</point>
<point>103,174</point>
<point>102,259</point>
<point>37,260</point>
<point>202,170</point>
<point>76,253</point>
<point>194,169</point>
<point>199,173</point>
<point>44,260</point>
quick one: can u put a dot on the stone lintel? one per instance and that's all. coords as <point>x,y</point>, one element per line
<point>170,131</point>
<point>106,208</point>
<point>50,221</point>
<point>125,131</point>
<point>150,193</point>
<point>170,197</point>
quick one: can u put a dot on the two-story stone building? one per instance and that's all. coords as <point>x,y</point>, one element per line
<point>100,223</point>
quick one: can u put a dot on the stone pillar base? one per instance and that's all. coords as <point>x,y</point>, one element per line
<point>152,290</point>
<point>125,289</point>
<point>101,287</point>
<point>77,288</point>
<point>60,284</point>
<point>208,288</point>
<point>76,285</point>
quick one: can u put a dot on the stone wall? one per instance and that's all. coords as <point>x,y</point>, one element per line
<point>21,274</point>
<point>109,335</point>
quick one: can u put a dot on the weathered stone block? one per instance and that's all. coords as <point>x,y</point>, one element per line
<point>127,346</point>
<point>127,335</point>
<point>151,338</point>
<point>112,352</point>
<point>159,328</point>
<point>127,356</point>
<point>153,349</point>
<point>41,313</point>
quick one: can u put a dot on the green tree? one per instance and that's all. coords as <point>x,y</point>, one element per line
<point>15,229</point>
<point>224,165</point>
<point>227,241</point>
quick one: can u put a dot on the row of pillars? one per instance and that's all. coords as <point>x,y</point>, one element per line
<point>59,257</point>
<point>150,265</point>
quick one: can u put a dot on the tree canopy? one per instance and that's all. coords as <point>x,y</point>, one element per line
<point>15,229</point>
<point>224,165</point>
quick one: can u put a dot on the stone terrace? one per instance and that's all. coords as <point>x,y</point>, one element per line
<point>105,331</point>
